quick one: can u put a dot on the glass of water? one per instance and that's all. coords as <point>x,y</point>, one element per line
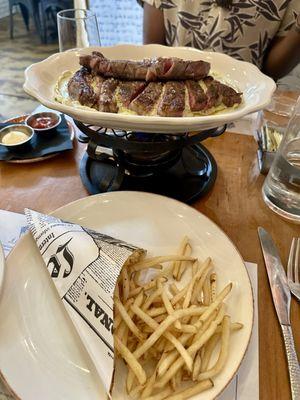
<point>77,28</point>
<point>281,189</point>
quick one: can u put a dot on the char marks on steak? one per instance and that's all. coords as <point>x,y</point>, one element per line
<point>197,96</point>
<point>218,93</point>
<point>172,103</point>
<point>144,103</point>
<point>107,101</point>
<point>84,87</point>
<point>129,90</point>
<point>148,69</point>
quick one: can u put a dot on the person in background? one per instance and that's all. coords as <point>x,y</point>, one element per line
<point>264,32</point>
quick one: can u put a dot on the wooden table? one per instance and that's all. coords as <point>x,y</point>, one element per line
<point>235,204</point>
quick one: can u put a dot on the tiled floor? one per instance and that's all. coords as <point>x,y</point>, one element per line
<point>15,56</point>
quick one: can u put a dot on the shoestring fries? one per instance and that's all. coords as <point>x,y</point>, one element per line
<point>170,325</point>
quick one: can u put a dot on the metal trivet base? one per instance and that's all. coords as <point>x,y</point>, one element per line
<point>191,177</point>
<point>175,165</point>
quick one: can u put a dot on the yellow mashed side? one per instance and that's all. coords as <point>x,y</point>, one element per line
<point>61,95</point>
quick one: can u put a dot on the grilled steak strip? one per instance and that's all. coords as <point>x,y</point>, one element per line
<point>148,69</point>
<point>218,93</point>
<point>229,95</point>
<point>84,88</point>
<point>107,101</point>
<point>144,103</point>
<point>172,103</point>
<point>197,97</point>
<point>129,90</point>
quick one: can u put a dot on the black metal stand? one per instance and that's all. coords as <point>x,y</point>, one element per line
<point>173,165</point>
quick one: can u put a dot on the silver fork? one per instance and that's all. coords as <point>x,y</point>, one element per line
<point>293,268</point>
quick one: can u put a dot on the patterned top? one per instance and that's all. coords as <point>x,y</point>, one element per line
<point>244,32</point>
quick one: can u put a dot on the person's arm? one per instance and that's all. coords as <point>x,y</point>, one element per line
<point>154,30</point>
<point>284,54</point>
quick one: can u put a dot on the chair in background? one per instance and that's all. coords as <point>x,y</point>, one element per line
<point>29,8</point>
<point>47,11</point>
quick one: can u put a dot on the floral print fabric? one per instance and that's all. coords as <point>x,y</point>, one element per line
<point>244,31</point>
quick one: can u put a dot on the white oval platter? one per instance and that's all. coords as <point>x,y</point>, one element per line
<point>257,88</point>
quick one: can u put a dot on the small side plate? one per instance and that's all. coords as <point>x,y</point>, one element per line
<point>22,119</point>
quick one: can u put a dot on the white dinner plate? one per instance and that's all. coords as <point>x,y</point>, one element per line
<point>257,88</point>
<point>41,355</point>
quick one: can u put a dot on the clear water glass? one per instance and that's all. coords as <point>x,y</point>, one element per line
<point>281,189</point>
<point>77,28</point>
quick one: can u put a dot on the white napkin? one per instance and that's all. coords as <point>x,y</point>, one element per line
<point>245,386</point>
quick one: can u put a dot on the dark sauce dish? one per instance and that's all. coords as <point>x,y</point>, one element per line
<point>16,137</point>
<point>44,123</point>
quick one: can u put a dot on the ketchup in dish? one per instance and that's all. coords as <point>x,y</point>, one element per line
<point>42,122</point>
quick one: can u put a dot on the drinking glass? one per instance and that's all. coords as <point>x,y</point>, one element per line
<point>77,28</point>
<point>281,189</point>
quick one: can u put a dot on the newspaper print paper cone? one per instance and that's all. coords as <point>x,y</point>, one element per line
<point>84,266</point>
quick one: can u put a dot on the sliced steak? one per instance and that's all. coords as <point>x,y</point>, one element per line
<point>148,69</point>
<point>84,88</point>
<point>197,96</point>
<point>144,103</point>
<point>218,93</point>
<point>107,101</point>
<point>229,96</point>
<point>136,70</point>
<point>129,90</point>
<point>196,70</point>
<point>175,69</point>
<point>172,103</point>
<point>213,92</point>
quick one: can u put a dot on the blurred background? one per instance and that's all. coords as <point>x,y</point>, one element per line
<point>28,33</point>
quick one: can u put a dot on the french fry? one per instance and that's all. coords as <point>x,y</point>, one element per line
<point>118,317</point>
<point>192,391</point>
<point>197,276</point>
<point>191,350</point>
<point>134,292</point>
<point>125,283</point>
<point>206,292</point>
<point>165,341</point>
<point>136,391</point>
<point>169,307</point>
<point>197,293</point>
<point>181,251</point>
<point>164,326</point>
<point>186,328</point>
<point>149,386</point>
<point>223,352</point>
<point>174,289</point>
<point>234,326</point>
<point>152,262</point>
<point>197,366</point>
<point>213,287</point>
<point>213,306</point>
<point>155,311</point>
<point>157,293</point>
<point>161,395</point>
<point>129,380</point>
<point>184,264</point>
<point>179,296</point>
<point>125,336</point>
<point>208,350</point>
<point>149,321</point>
<point>128,321</point>
<point>133,363</point>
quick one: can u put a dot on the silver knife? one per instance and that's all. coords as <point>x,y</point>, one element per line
<point>282,300</point>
